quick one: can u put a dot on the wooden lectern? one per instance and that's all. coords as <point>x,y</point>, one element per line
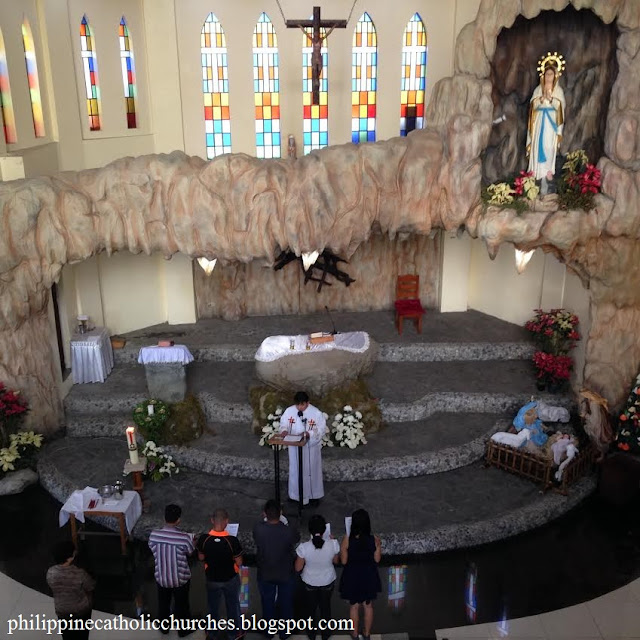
<point>276,441</point>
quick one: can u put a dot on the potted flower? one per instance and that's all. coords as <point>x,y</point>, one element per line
<point>159,464</point>
<point>347,429</point>
<point>13,408</point>
<point>552,371</point>
<point>554,331</point>
<point>18,462</point>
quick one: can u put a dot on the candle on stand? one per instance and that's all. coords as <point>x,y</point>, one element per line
<point>132,445</point>
<point>150,409</point>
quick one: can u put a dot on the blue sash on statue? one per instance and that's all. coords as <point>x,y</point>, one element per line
<point>546,115</point>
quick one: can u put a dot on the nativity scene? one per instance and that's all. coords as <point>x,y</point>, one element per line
<point>203,281</point>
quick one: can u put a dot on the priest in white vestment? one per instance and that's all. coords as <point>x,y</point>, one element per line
<point>303,419</point>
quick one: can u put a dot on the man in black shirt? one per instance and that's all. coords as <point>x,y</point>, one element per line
<point>275,543</point>
<point>222,555</point>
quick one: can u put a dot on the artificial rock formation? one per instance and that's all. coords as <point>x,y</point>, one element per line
<point>239,209</point>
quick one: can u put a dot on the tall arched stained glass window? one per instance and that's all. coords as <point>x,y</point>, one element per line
<point>34,82</point>
<point>414,75</point>
<point>215,87</point>
<point>90,71</point>
<point>266,88</point>
<point>128,73</point>
<point>315,131</point>
<point>6,105</point>
<point>364,65</point>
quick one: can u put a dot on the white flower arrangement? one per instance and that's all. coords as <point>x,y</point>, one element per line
<point>159,464</point>
<point>327,440</point>
<point>272,428</point>
<point>347,428</point>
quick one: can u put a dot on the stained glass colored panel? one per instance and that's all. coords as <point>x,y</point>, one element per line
<point>414,76</point>
<point>364,73</point>
<point>315,126</point>
<point>128,73</point>
<point>90,71</point>
<point>215,88</point>
<point>6,105</point>
<point>266,87</point>
<point>34,82</point>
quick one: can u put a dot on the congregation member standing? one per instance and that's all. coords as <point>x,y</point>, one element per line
<point>72,588</point>
<point>316,559</point>
<point>303,419</point>
<point>275,542</point>
<point>171,549</point>
<point>360,554</point>
<point>222,555</point>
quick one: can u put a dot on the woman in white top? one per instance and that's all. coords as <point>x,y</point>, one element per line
<point>316,559</point>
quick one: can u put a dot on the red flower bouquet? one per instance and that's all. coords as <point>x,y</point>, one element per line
<point>12,410</point>
<point>554,331</point>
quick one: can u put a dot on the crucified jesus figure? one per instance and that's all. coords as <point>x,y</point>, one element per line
<point>317,36</point>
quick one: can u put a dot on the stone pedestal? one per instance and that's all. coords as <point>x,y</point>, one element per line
<point>316,372</point>
<point>166,381</point>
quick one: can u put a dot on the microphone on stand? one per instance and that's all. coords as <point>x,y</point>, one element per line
<point>304,420</point>
<point>334,332</point>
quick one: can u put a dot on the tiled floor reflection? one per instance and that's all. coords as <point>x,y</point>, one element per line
<point>581,569</point>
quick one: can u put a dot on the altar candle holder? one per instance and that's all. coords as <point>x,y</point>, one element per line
<point>132,445</point>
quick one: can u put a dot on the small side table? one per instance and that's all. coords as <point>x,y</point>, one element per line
<point>137,470</point>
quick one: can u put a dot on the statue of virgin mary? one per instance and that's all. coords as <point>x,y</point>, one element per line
<point>546,118</point>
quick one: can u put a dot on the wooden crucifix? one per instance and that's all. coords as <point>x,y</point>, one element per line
<point>317,38</point>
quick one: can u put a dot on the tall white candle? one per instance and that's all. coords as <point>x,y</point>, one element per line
<point>150,409</point>
<point>132,445</point>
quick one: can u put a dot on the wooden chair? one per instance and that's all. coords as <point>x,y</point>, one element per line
<point>407,302</point>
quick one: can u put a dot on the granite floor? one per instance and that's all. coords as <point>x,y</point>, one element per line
<point>564,580</point>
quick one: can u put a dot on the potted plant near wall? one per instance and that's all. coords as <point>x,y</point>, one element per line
<point>19,448</point>
<point>555,333</point>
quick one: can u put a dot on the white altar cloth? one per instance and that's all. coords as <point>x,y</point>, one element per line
<point>163,355</point>
<point>91,356</point>
<point>78,502</point>
<point>275,347</point>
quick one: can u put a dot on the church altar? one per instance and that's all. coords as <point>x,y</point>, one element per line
<point>294,363</point>
<point>164,369</point>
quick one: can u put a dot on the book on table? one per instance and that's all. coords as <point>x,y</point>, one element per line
<point>320,337</point>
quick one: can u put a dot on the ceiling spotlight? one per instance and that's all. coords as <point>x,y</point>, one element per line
<point>207,265</point>
<point>522,259</point>
<point>309,258</point>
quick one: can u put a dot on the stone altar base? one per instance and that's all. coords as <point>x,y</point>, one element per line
<point>317,371</point>
<point>166,381</point>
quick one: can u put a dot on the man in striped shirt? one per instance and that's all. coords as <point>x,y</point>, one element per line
<point>171,549</point>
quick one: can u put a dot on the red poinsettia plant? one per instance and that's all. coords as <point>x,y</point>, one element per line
<point>552,368</point>
<point>13,407</point>
<point>579,182</point>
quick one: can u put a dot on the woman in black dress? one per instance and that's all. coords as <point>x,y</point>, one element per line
<point>360,554</point>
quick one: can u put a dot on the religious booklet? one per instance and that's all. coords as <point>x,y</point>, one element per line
<point>232,528</point>
<point>347,525</point>
<point>292,438</point>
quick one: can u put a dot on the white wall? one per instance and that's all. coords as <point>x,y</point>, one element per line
<point>390,19</point>
<point>455,272</point>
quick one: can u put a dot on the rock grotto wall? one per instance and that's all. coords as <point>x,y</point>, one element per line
<point>237,208</point>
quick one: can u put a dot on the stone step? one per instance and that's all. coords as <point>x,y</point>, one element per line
<point>433,445</point>
<point>464,507</point>
<point>388,352</point>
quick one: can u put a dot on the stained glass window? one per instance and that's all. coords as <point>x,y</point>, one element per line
<point>266,88</point>
<point>6,106</point>
<point>34,82</point>
<point>414,75</point>
<point>315,131</point>
<point>90,70</point>
<point>128,73</point>
<point>215,87</point>
<point>364,65</point>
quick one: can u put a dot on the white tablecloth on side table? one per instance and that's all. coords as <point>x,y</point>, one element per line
<point>163,355</point>
<point>78,501</point>
<point>91,356</point>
